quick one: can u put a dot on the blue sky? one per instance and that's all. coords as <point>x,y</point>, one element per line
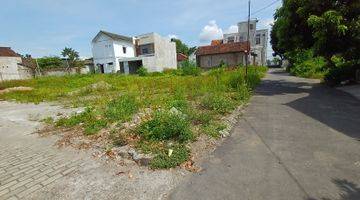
<point>44,27</point>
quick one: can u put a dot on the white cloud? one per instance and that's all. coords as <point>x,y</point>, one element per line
<point>232,29</point>
<point>171,36</point>
<point>210,32</point>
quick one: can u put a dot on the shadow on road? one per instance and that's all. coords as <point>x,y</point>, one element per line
<point>329,106</point>
<point>349,190</point>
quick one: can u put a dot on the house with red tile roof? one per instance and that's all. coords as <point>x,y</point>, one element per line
<point>213,55</point>
<point>11,65</point>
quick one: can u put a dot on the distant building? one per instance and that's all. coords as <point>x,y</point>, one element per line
<point>11,67</point>
<point>232,49</point>
<point>180,57</point>
<point>231,54</point>
<point>113,53</point>
<point>258,41</point>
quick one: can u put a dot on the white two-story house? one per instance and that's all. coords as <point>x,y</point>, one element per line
<point>258,40</point>
<point>113,53</point>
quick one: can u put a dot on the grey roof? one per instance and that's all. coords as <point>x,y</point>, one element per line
<point>114,36</point>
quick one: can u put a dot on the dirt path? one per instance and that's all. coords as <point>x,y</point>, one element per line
<point>296,140</point>
<point>33,168</point>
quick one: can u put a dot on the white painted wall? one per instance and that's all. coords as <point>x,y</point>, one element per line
<point>259,49</point>
<point>105,50</point>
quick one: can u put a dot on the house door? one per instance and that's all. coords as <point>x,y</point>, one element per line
<point>102,70</point>
<point>122,69</point>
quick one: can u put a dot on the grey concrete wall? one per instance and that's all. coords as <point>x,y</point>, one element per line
<point>231,59</point>
<point>165,53</point>
<point>11,70</point>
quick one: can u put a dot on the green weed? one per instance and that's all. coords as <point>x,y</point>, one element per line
<point>166,126</point>
<point>121,109</point>
<point>213,129</point>
<point>218,102</point>
<point>164,161</point>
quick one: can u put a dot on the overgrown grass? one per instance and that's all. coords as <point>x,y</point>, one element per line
<point>162,160</point>
<point>166,126</point>
<point>184,104</point>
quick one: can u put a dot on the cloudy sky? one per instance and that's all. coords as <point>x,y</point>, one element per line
<point>44,27</point>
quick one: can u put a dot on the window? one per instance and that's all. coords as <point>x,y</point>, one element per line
<point>251,26</point>
<point>257,38</point>
<point>241,39</point>
<point>231,39</point>
<point>124,50</point>
<point>144,51</point>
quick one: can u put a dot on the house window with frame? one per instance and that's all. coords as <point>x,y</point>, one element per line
<point>124,50</point>
<point>146,49</point>
<point>258,40</point>
<point>231,39</point>
<point>251,26</point>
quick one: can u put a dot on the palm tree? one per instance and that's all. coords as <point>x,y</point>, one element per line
<point>72,57</point>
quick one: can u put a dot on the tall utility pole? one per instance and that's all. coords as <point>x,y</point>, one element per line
<point>248,42</point>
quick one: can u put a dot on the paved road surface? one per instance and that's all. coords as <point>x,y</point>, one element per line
<point>297,140</point>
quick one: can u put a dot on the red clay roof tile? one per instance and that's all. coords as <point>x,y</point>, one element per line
<point>222,48</point>
<point>8,52</point>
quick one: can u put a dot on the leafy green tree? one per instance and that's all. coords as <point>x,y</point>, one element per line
<point>50,62</point>
<point>328,28</point>
<point>72,58</point>
<point>183,48</point>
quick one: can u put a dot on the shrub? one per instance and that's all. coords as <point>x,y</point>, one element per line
<point>142,71</point>
<point>164,161</point>
<point>311,68</point>
<point>343,70</point>
<point>189,68</point>
<point>166,125</point>
<point>305,64</point>
<point>121,109</point>
<point>218,102</point>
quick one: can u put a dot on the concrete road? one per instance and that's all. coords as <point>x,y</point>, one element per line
<point>297,140</point>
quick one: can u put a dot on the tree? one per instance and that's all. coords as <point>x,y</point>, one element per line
<point>328,28</point>
<point>50,62</point>
<point>183,48</point>
<point>72,58</point>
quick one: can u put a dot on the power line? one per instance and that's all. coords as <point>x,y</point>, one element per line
<point>261,9</point>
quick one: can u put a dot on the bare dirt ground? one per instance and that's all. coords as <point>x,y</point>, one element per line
<point>32,167</point>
